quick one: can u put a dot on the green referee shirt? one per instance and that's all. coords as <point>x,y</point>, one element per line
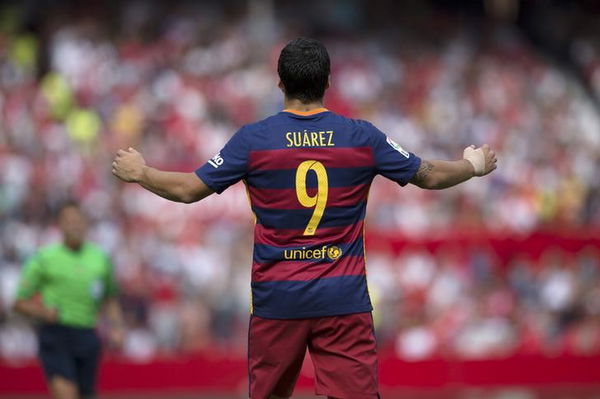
<point>73,282</point>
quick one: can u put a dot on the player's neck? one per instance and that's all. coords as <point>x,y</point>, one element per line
<point>297,105</point>
<point>74,246</point>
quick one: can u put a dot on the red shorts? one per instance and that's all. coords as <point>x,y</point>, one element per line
<point>342,349</point>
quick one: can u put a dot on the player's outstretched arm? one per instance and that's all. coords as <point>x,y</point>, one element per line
<point>437,175</point>
<point>131,167</point>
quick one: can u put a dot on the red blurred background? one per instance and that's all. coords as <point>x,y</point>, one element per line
<point>495,283</point>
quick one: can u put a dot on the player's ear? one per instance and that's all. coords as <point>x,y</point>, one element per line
<point>328,82</point>
<point>281,86</point>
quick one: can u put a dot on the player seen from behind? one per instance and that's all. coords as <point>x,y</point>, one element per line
<point>308,173</point>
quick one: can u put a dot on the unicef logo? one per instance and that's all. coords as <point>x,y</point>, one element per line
<point>334,252</point>
<point>303,253</point>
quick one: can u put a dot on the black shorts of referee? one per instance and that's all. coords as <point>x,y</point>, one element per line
<point>71,353</point>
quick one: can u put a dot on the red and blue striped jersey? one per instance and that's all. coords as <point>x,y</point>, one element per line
<point>308,177</point>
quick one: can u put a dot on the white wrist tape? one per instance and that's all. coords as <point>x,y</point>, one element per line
<point>477,159</point>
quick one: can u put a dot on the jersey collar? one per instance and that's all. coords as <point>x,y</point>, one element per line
<point>306,113</point>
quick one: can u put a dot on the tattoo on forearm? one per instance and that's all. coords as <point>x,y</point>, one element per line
<point>424,170</point>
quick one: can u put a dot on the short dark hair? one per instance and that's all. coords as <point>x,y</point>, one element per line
<point>304,69</point>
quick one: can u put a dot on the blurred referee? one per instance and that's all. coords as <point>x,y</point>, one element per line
<point>74,280</point>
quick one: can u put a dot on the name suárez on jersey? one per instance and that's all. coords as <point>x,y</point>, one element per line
<point>310,139</point>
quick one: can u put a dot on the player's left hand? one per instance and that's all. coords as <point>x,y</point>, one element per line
<point>128,165</point>
<point>116,337</point>
<point>483,159</point>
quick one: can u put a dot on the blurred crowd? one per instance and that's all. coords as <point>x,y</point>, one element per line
<point>177,83</point>
<point>464,303</point>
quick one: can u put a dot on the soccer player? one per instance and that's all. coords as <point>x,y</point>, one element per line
<point>308,173</point>
<point>74,279</point>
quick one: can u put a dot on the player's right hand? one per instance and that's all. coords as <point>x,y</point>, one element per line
<point>50,315</point>
<point>128,165</point>
<point>483,159</point>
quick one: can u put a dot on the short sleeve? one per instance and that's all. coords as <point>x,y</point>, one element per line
<point>391,160</point>
<point>227,167</point>
<point>110,281</point>
<point>31,277</point>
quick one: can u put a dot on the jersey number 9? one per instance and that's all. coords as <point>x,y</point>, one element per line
<point>319,200</point>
